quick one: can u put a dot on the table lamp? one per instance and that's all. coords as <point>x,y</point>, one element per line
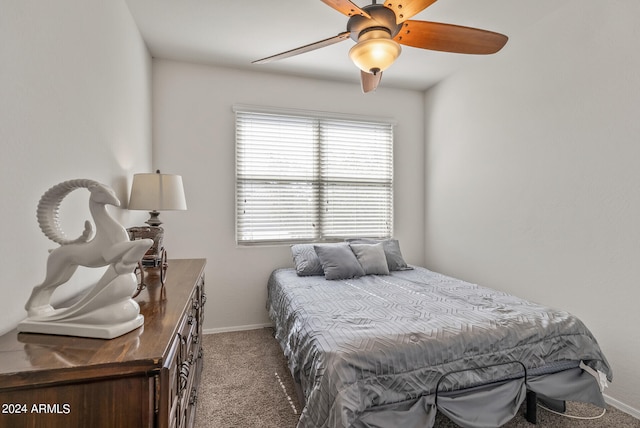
<point>155,192</point>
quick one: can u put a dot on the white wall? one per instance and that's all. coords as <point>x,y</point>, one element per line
<point>533,184</point>
<point>194,135</point>
<point>75,81</point>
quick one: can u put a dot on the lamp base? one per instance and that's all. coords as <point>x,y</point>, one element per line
<point>154,220</point>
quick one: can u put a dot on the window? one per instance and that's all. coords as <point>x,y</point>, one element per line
<point>312,178</point>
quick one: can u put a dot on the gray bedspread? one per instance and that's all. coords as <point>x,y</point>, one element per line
<point>375,341</point>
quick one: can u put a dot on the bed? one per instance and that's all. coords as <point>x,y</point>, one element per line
<point>392,348</point>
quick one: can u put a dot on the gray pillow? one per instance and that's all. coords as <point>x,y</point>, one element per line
<point>371,257</point>
<point>306,260</point>
<point>338,261</point>
<point>395,261</point>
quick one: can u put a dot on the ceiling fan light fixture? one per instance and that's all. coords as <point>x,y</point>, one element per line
<point>375,51</point>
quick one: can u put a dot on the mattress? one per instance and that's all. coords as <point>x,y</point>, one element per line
<point>384,342</point>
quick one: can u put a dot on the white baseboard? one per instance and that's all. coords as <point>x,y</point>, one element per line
<point>622,407</point>
<point>235,328</point>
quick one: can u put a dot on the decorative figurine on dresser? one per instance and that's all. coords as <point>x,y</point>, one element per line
<point>107,310</point>
<point>56,368</point>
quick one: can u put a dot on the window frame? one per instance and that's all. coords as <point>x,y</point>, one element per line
<point>323,118</point>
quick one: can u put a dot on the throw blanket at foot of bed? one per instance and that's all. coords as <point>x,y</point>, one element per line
<point>370,352</point>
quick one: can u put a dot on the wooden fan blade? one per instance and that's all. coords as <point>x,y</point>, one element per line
<point>306,48</point>
<point>450,38</point>
<point>370,81</point>
<point>405,9</point>
<point>346,7</point>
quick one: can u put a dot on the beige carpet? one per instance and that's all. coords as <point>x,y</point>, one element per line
<point>246,384</point>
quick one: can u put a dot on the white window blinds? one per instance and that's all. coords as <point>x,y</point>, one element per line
<point>307,178</point>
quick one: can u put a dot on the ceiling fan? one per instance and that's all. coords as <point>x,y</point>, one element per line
<point>380,29</point>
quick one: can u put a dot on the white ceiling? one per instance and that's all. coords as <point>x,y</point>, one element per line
<point>234,33</point>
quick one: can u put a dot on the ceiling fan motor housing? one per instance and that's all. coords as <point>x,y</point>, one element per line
<point>382,18</point>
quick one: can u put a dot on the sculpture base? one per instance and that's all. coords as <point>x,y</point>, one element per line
<point>105,331</point>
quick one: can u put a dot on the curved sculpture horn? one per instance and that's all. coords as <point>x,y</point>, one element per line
<point>49,207</point>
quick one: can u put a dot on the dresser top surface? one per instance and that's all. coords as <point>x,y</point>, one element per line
<point>25,354</point>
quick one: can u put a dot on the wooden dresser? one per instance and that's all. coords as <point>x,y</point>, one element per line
<point>146,378</point>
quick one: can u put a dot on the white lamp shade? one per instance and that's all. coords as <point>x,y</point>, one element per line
<point>157,192</point>
<point>375,51</point>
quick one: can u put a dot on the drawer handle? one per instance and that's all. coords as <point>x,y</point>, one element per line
<point>196,305</point>
<point>195,339</point>
<point>184,376</point>
<point>190,319</point>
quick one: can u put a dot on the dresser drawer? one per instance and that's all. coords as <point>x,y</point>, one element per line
<point>190,351</point>
<point>181,371</point>
<point>168,385</point>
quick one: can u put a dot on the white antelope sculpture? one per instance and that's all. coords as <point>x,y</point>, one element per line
<point>107,310</point>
